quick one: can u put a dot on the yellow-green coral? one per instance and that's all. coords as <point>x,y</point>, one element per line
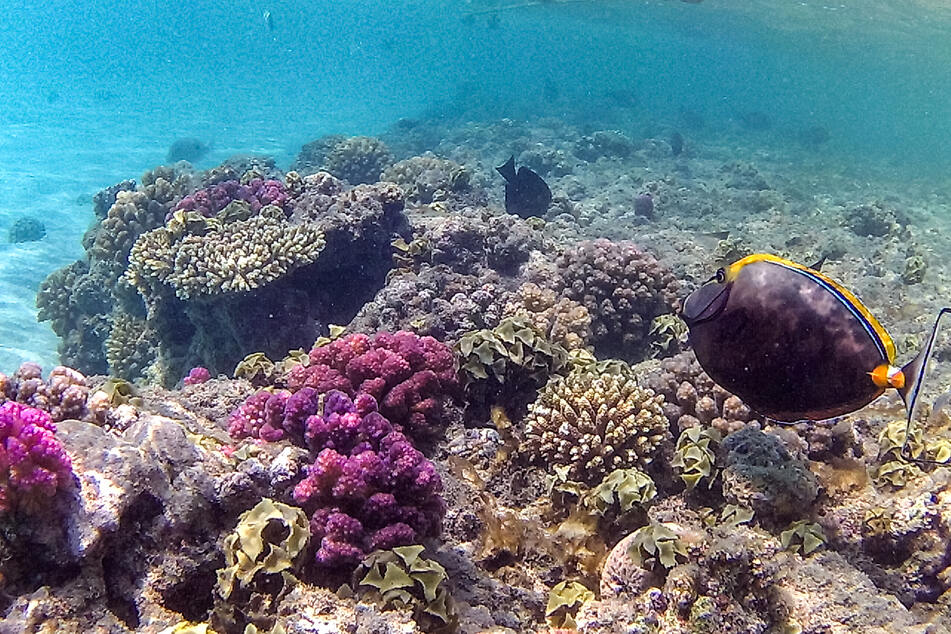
<point>693,458</point>
<point>403,578</point>
<point>802,536</point>
<point>512,351</point>
<point>896,472</point>
<point>655,543</point>
<point>667,331</point>
<point>623,488</point>
<point>564,601</point>
<point>593,424</point>
<point>891,439</point>
<point>238,257</point>
<point>565,321</point>
<point>255,367</point>
<point>248,550</point>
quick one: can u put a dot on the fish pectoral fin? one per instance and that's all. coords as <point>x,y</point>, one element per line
<point>914,372</point>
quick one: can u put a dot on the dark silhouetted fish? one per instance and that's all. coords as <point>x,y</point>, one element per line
<point>794,344</point>
<point>526,193</point>
<point>676,143</point>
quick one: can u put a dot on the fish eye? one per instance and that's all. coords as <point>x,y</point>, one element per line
<point>720,275</point>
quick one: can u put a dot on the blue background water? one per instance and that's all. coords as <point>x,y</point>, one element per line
<point>95,93</point>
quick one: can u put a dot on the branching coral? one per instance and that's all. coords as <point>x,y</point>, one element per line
<point>622,287</point>
<point>586,425</point>
<point>241,256</point>
<point>411,377</point>
<point>33,463</point>
<point>368,488</point>
<point>130,348</point>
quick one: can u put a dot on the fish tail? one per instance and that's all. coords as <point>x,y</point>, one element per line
<point>914,372</point>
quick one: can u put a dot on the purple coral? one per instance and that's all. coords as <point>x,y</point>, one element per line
<point>257,193</point>
<point>197,376</point>
<point>368,488</point>
<point>33,463</point>
<point>410,376</point>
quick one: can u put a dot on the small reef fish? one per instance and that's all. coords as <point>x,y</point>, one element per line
<point>268,21</point>
<point>526,193</point>
<point>794,344</point>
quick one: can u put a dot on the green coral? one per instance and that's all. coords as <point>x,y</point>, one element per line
<point>358,159</point>
<point>510,359</point>
<point>256,368</point>
<point>891,439</point>
<point>804,536</point>
<point>667,332</point>
<point>623,488</point>
<point>656,543</point>
<point>564,601</point>
<point>403,578</point>
<point>915,269</point>
<point>693,458</point>
<point>896,473</point>
<point>257,546</point>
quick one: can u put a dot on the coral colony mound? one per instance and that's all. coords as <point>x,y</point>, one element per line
<point>360,396</point>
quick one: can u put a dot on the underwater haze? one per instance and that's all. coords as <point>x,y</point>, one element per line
<point>96,92</point>
<point>398,316</point>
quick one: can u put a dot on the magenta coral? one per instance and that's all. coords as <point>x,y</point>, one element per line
<point>197,376</point>
<point>368,488</point>
<point>410,376</point>
<point>33,463</point>
<point>257,193</point>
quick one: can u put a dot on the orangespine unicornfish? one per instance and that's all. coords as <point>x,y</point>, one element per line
<point>795,345</point>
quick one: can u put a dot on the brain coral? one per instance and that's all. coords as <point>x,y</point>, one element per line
<point>588,424</point>
<point>623,289</point>
<point>240,256</point>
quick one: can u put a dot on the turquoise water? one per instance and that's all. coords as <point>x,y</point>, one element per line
<point>95,93</point>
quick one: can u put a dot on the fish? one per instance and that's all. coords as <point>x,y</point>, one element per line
<point>268,21</point>
<point>526,193</point>
<point>796,345</point>
<point>676,143</point>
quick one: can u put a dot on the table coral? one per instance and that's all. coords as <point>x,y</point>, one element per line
<point>368,488</point>
<point>33,463</point>
<point>241,256</point>
<point>588,424</point>
<point>623,288</point>
<point>411,377</point>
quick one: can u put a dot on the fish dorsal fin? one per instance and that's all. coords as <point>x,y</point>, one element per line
<point>507,170</point>
<point>914,372</point>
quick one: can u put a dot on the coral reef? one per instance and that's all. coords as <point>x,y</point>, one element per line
<point>411,377</point>
<point>586,425</point>
<point>257,193</point>
<point>402,578</point>
<point>358,159</point>
<point>758,472</point>
<point>507,364</point>
<point>565,322</point>
<point>369,488</point>
<point>692,399</point>
<point>623,289</point>
<point>427,178</point>
<point>26,229</point>
<point>33,463</point>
